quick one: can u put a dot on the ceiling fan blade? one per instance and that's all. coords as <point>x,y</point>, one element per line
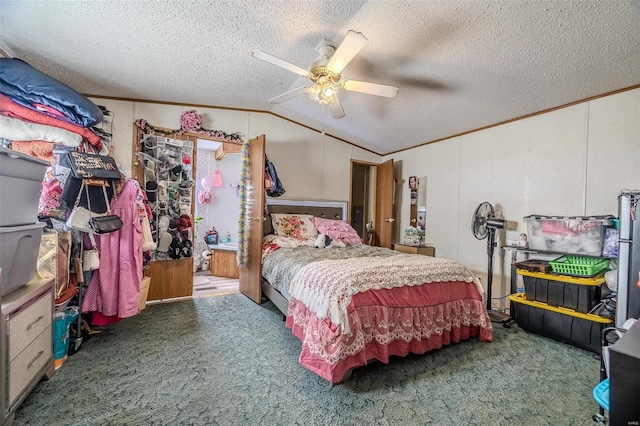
<point>288,95</point>
<point>369,88</point>
<point>279,62</point>
<point>336,108</point>
<point>349,48</point>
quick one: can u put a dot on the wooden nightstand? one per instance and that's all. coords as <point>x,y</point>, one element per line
<point>424,250</point>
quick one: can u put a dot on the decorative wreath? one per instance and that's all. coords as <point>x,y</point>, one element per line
<point>190,121</point>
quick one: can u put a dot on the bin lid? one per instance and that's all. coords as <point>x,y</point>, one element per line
<point>11,153</point>
<point>560,217</point>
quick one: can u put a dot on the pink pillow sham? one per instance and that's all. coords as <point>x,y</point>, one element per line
<point>337,230</point>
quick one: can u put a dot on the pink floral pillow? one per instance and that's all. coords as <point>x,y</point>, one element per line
<point>337,230</point>
<point>293,225</point>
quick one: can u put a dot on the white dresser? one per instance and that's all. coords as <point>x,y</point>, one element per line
<point>26,353</point>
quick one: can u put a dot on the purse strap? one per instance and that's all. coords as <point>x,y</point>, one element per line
<point>106,199</point>
<point>104,193</point>
<point>93,242</point>
<point>86,190</point>
<point>77,202</point>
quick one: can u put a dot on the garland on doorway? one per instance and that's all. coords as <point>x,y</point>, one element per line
<point>244,220</point>
<point>190,122</point>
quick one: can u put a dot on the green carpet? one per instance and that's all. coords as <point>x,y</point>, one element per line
<point>226,360</point>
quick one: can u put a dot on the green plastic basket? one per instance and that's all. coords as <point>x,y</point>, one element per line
<point>579,266</point>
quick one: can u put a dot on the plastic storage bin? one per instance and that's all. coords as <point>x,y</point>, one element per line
<point>575,234</point>
<point>19,246</point>
<point>578,294</point>
<point>20,186</point>
<point>567,326</point>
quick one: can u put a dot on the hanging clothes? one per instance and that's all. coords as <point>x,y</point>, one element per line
<point>275,189</point>
<point>114,290</point>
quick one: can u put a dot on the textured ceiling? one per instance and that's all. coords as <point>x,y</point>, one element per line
<point>460,65</point>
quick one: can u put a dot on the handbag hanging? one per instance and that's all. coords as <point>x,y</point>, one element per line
<point>91,257</point>
<point>80,217</point>
<point>106,223</point>
<point>82,166</point>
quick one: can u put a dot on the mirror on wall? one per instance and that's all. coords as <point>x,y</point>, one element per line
<point>418,197</point>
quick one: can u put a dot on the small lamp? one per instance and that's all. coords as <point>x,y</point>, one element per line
<point>217,179</point>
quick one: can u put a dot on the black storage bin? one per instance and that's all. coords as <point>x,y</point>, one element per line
<point>575,328</point>
<point>578,294</point>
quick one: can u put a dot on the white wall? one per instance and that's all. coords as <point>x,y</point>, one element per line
<point>571,161</point>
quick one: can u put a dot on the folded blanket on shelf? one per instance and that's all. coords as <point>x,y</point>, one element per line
<point>11,109</point>
<point>19,130</point>
<point>20,80</point>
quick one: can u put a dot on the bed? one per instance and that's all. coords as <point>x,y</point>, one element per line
<point>350,303</point>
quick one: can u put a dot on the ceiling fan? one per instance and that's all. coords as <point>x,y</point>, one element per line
<point>325,74</point>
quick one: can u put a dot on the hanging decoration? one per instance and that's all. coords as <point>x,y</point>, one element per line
<point>217,179</point>
<point>190,123</point>
<point>244,220</point>
<point>205,196</point>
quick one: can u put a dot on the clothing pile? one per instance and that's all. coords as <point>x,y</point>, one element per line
<point>82,190</point>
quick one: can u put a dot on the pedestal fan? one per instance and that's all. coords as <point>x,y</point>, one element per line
<point>484,225</point>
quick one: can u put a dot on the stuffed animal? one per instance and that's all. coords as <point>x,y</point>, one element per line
<point>324,241</point>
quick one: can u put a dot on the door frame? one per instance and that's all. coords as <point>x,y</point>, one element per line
<point>381,188</point>
<point>250,283</point>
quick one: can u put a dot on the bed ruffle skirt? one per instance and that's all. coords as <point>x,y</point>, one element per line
<point>389,322</point>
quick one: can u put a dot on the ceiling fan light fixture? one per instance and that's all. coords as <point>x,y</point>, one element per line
<point>325,74</point>
<point>324,92</point>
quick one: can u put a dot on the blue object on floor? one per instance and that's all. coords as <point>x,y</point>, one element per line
<point>601,394</point>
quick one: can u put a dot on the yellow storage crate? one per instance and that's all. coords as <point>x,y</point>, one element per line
<point>578,294</point>
<point>562,324</point>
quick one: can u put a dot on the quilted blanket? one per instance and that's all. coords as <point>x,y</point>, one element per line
<point>326,287</point>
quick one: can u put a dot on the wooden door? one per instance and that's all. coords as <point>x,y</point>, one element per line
<point>251,273</point>
<point>384,205</point>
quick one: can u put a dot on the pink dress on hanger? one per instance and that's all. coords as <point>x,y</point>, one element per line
<point>114,288</point>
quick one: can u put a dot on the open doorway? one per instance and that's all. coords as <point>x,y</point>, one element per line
<point>362,197</point>
<point>217,207</point>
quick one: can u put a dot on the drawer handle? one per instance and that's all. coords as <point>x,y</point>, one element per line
<point>35,322</point>
<point>33,361</point>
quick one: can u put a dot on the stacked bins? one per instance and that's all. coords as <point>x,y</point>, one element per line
<point>20,233</point>
<point>557,306</point>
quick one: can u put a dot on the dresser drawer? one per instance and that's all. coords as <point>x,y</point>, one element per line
<point>29,323</point>
<point>25,366</point>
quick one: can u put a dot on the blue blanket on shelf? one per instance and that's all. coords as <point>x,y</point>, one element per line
<point>21,81</point>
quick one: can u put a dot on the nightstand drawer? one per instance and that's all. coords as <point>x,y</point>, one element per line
<point>28,324</point>
<point>28,363</point>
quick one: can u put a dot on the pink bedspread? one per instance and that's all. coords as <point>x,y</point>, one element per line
<point>387,322</point>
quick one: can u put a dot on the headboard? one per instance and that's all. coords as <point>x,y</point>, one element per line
<point>326,209</point>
